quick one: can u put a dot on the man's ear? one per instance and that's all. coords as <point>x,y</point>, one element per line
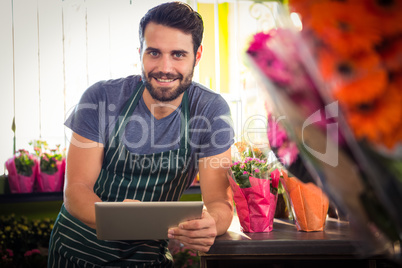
<point>198,55</point>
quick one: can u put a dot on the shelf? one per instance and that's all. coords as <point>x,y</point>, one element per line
<point>56,196</point>
<point>31,197</point>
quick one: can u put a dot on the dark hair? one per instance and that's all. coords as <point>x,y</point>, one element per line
<point>175,15</point>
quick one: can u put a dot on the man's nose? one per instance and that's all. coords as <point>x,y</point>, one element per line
<point>166,64</point>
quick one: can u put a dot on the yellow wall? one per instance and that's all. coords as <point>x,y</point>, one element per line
<point>207,63</point>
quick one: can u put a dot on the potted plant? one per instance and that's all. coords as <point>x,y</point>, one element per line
<point>254,183</point>
<point>51,167</point>
<point>22,171</point>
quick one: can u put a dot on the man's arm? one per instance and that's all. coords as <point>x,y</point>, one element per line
<point>217,196</point>
<point>84,162</point>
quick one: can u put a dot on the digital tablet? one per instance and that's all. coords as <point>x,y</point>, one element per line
<point>142,220</point>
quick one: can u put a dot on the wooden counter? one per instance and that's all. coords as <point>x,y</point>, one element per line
<point>286,247</point>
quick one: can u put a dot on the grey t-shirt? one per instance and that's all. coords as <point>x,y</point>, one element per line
<point>99,109</point>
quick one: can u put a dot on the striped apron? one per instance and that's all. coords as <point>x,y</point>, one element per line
<point>151,177</point>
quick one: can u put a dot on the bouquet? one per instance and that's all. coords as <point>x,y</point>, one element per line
<point>51,167</point>
<point>22,171</point>
<point>254,182</point>
<point>337,85</point>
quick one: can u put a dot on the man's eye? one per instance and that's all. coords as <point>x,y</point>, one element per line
<point>179,55</point>
<point>153,53</point>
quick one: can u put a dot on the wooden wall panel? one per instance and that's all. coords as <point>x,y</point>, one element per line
<point>51,72</point>
<point>26,72</point>
<point>60,48</point>
<point>6,83</point>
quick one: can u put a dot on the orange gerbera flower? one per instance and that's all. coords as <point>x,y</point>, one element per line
<point>393,138</point>
<point>241,146</point>
<point>345,26</point>
<point>302,7</point>
<point>388,14</point>
<point>379,119</point>
<point>353,80</point>
<point>391,53</point>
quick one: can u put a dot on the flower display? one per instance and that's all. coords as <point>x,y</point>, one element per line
<point>24,242</point>
<point>41,172</point>
<point>360,50</point>
<point>341,106</point>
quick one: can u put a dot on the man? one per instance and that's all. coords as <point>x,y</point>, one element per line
<point>124,133</point>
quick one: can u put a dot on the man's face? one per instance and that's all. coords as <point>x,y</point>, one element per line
<point>168,61</point>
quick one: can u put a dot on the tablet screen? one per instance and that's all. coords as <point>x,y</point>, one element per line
<point>142,220</point>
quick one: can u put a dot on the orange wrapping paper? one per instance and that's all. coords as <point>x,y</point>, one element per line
<point>309,203</point>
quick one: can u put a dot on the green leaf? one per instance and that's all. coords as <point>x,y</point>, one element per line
<point>13,125</point>
<point>243,181</point>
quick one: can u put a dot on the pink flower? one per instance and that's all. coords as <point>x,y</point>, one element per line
<point>242,166</point>
<point>276,134</point>
<point>245,172</point>
<point>31,252</point>
<point>10,252</point>
<point>259,42</point>
<point>288,154</point>
<point>275,175</point>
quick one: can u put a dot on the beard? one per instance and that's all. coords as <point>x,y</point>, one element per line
<point>166,94</point>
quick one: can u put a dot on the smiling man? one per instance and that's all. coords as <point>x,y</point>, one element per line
<point>143,139</point>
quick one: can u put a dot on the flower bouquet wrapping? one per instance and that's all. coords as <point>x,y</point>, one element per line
<point>51,167</point>
<point>254,183</point>
<point>22,171</point>
<point>336,84</point>
<point>309,203</point>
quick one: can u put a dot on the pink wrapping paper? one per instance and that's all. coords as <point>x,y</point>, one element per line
<point>52,182</point>
<point>255,205</point>
<point>20,183</point>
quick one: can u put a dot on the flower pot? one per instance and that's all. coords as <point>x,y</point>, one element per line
<point>255,205</point>
<point>52,182</point>
<point>309,204</point>
<point>19,183</point>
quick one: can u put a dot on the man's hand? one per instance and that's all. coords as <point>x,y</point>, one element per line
<point>131,200</point>
<point>196,234</point>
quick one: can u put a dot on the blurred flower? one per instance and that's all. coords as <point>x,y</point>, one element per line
<point>378,119</point>
<point>352,52</point>
<point>387,14</point>
<point>275,175</point>
<point>31,252</point>
<point>338,28</point>
<point>350,76</point>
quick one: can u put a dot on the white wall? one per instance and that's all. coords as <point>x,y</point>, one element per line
<point>50,52</point>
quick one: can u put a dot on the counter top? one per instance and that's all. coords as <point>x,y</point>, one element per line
<point>336,239</point>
